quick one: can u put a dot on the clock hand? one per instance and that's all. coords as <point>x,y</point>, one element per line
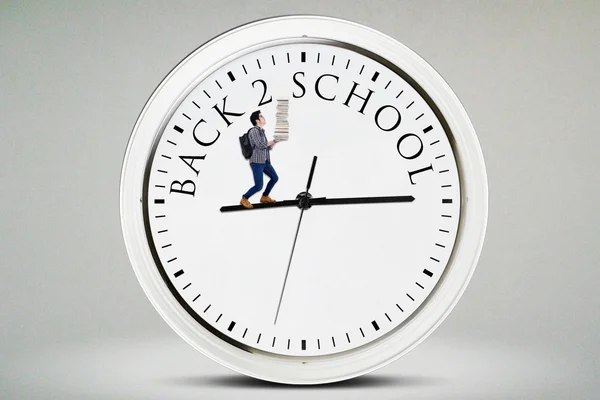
<point>288,267</point>
<point>361,200</point>
<point>312,171</point>
<point>300,199</point>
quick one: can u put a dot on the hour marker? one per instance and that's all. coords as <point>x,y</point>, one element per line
<point>172,259</point>
<point>444,171</point>
<point>388,84</point>
<point>303,344</point>
<point>318,57</point>
<point>258,340</point>
<point>361,70</point>
<point>162,171</point>
<point>388,317</point>
<point>434,259</point>
<point>186,116</point>
<point>218,84</point>
<point>428,273</point>
<point>196,298</point>
<point>186,286</point>
<point>258,62</point>
<point>231,77</point>
<point>347,337</point>
<point>318,344</point>
<point>440,245</point>
<point>333,340</point>
<point>361,332</point>
<point>437,141</point>
<point>419,285</point>
<point>244,68</point>
<point>409,296</point>
<point>273,344</point>
<point>160,216</point>
<point>402,91</point>
<point>178,129</point>
<point>375,76</point>
<point>442,156</point>
<point>165,156</point>
<point>163,231</point>
<point>167,245</point>
<point>374,323</point>
<point>416,119</point>
<point>347,64</point>
<point>445,231</point>
<point>399,308</point>
<point>159,201</point>
<point>429,128</point>
<point>219,318</point>
<point>174,144</point>
<point>303,56</point>
<point>273,58</point>
<point>206,309</point>
<point>231,325</point>
<point>206,93</point>
<point>196,104</point>
<point>333,60</point>
<point>408,106</point>
<point>446,201</point>
<point>244,335</point>
<point>178,273</point>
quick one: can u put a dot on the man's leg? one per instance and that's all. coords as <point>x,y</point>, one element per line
<point>273,178</point>
<point>257,172</point>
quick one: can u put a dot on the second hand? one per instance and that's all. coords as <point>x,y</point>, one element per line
<point>310,176</point>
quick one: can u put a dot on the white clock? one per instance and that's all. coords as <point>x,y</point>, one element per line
<point>379,190</point>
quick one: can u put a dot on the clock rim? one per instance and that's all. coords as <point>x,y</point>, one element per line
<point>471,230</point>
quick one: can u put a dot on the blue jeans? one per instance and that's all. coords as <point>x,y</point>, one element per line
<point>258,170</point>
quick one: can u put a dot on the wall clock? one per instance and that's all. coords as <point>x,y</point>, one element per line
<point>364,223</point>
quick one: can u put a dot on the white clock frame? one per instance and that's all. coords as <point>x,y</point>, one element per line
<point>474,200</point>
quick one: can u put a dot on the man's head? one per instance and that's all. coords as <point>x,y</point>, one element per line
<point>257,119</point>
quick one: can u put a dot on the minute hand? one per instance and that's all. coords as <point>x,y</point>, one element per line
<point>361,200</point>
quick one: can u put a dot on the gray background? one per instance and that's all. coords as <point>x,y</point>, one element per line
<point>74,322</point>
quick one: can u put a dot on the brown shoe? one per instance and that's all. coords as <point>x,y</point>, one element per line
<point>267,199</point>
<point>246,203</point>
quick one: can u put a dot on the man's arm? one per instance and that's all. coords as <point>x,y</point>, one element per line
<point>257,140</point>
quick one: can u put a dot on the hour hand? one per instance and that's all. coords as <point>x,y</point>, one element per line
<point>361,200</point>
<point>284,203</point>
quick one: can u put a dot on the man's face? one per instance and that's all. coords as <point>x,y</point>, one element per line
<point>262,119</point>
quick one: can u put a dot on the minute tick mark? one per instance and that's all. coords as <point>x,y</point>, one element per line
<point>206,93</point>
<point>408,106</point>
<point>218,84</point>
<point>196,298</point>
<point>196,104</point>
<point>402,91</point>
<point>361,70</point>
<point>388,84</point>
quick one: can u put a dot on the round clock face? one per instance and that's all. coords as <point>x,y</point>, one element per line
<point>357,206</point>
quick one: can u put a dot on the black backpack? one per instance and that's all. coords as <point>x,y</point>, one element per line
<point>246,146</point>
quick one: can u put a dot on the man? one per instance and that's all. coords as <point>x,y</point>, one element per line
<point>260,161</point>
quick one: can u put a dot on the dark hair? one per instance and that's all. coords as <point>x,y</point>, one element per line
<point>254,116</point>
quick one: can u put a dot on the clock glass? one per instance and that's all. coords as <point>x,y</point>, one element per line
<point>367,199</point>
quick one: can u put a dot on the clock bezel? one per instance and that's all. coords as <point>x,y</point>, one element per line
<point>293,369</point>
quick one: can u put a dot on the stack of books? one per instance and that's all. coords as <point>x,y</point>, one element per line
<point>282,125</point>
